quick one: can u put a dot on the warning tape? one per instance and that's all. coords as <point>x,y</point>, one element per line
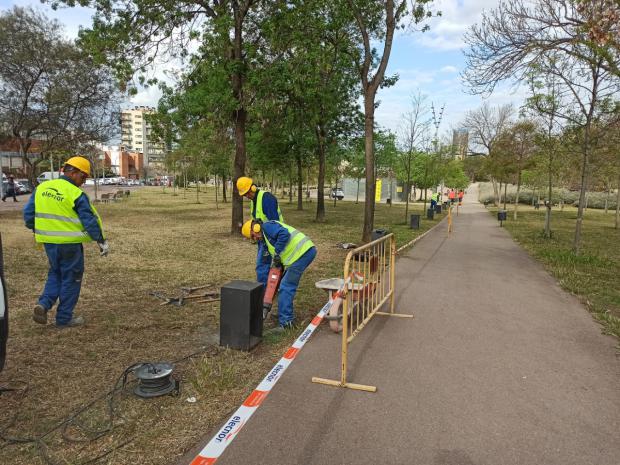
<point>222,439</point>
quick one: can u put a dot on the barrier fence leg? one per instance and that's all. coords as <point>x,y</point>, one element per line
<point>392,284</point>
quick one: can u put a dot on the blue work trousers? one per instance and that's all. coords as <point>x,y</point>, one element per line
<point>64,279</point>
<point>263,263</point>
<point>288,286</point>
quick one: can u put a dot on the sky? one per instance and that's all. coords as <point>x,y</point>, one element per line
<point>428,62</point>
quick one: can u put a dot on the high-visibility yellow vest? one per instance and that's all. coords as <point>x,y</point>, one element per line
<point>259,214</point>
<point>297,245</point>
<point>55,220</point>
<point>435,197</point>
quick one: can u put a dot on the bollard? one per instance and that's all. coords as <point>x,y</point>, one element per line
<point>414,222</point>
<point>438,209</point>
<point>430,213</point>
<point>241,314</point>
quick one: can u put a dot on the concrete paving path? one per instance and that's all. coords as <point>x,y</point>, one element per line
<point>499,367</point>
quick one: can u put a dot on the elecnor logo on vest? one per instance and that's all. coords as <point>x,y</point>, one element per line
<point>230,426</point>
<point>56,195</point>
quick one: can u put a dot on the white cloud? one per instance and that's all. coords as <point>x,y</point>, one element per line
<point>449,69</point>
<point>446,31</point>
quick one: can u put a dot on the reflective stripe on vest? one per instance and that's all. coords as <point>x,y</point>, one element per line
<point>259,214</point>
<point>297,245</point>
<point>55,219</point>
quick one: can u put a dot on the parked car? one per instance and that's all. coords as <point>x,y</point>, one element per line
<point>24,186</point>
<point>336,193</point>
<point>46,176</point>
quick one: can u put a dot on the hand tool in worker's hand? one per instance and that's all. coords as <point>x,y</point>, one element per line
<point>273,283</point>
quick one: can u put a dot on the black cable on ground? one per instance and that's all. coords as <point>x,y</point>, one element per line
<point>71,420</point>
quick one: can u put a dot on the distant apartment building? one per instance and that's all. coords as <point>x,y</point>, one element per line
<point>136,136</point>
<point>460,143</point>
<point>127,164</point>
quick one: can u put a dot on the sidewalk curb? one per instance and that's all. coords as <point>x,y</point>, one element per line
<point>413,241</point>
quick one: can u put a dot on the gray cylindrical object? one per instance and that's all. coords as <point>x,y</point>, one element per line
<point>430,213</point>
<point>414,221</point>
<point>437,208</point>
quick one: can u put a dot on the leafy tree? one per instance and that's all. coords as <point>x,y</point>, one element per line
<point>376,23</point>
<point>132,35</point>
<point>49,89</point>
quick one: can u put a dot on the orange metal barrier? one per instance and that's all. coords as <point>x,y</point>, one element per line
<point>369,278</point>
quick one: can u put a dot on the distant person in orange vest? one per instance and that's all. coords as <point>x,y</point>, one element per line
<point>452,195</point>
<point>461,194</point>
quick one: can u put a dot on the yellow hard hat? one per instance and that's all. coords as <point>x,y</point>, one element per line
<point>244,184</point>
<point>246,228</point>
<point>80,163</point>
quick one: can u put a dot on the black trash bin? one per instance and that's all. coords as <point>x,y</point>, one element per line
<point>414,222</point>
<point>378,233</point>
<point>501,216</point>
<point>430,213</point>
<point>437,208</point>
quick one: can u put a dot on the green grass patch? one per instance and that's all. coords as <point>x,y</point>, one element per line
<point>594,274</point>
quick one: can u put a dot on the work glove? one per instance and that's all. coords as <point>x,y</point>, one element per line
<point>276,262</point>
<point>104,247</point>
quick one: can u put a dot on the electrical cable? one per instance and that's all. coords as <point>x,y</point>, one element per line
<point>71,420</point>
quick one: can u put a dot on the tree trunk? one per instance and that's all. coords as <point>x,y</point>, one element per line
<point>617,222</point>
<point>357,194</point>
<point>290,183</point>
<point>308,184</point>
<point>517,195</point>
<point>225,199</point>
<point>505,194</point>
<point>217,202</point>
<point>495,192</point>
<point>499,203</point>
<point>197,188</point>
<point>300,188</point>
<point>369,201</point>
<point>239,117</point>
<point>320,188</point>
<point>407,195</point>
<point>335,197</point>
<point>582,192</point>
<point>548,210</point>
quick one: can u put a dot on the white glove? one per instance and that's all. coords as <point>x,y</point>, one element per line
<point>104,247</point>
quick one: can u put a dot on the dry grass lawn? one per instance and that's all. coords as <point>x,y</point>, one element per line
<point>159,242</point>
<point>593,274</point>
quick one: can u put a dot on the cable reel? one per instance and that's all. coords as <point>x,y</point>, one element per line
<point>155,379</point>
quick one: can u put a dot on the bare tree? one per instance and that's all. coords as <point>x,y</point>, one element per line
<point>414,135</point>
<point>544,105</point>
<point>50,90</point>
<point>485,125</point>
<point>520,38</point>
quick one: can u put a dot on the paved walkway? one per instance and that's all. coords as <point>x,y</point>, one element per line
<point>499,367</point>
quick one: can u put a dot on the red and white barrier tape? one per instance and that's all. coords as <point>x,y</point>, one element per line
<point>222,439</point>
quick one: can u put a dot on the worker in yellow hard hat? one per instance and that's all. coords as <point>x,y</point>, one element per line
<point>290,249</point>
<point>62,218</point>
<point>263,207</point>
